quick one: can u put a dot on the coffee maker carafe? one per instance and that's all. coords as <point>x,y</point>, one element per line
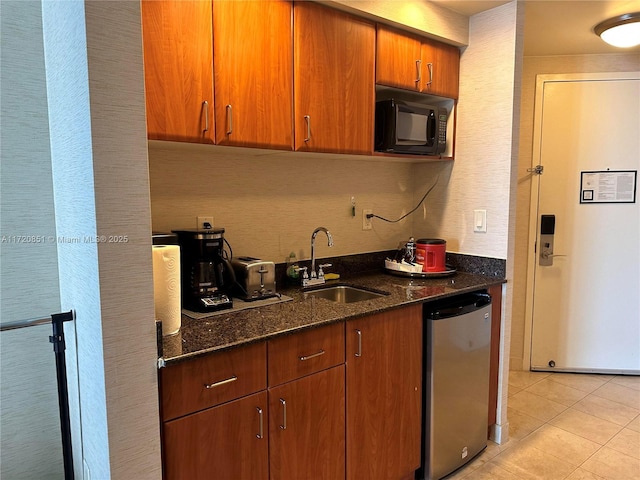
<point>207,276</point>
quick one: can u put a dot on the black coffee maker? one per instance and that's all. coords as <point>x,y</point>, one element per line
<point>207,276</point>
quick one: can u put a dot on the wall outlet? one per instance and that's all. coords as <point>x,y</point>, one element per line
<point>205,222</point>
<point>366,222</point>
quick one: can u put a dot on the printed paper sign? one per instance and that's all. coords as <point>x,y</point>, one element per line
<point>608,186</point>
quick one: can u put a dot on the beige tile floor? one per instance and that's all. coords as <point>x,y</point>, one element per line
<point>565,426</point>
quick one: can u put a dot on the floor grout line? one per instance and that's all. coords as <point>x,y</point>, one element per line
<point>521,442</point>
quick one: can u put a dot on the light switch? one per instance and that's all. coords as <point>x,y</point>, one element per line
<point>480,221</point>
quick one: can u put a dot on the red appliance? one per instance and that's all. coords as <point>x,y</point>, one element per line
<point>431,254</point>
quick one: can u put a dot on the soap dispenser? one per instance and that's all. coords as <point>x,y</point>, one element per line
<point>293,276</point>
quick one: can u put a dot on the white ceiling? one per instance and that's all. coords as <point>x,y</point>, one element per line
<point>558,27</point>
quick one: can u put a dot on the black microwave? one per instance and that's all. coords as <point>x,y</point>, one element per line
<point>406,127</point>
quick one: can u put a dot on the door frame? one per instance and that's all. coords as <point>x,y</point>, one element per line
<point>541,80</point>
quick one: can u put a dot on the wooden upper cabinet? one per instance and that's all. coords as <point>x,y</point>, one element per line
<point>398,61</point>
<point>333,80</point>
<point>442,74</point>
<point>178,52</point>
<point>253,72</point>
<point>418,64</point>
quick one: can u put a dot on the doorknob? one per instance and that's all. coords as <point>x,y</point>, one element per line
<point>546,254</point>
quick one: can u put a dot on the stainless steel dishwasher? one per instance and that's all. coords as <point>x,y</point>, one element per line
<point>455,401</point>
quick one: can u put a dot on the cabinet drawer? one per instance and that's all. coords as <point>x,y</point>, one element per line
<point>294,356</point>
<point>213,379</point>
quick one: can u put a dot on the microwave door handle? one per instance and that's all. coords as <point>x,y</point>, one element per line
<point>431,130</point>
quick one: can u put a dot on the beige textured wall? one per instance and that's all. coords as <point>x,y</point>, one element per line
<point>420,16</point>
<point>29,422</point>
<point>481,174</point>
<point>270,202</point>
<point>119,146</point>
<point>532,67</point>
<point>490,87</point>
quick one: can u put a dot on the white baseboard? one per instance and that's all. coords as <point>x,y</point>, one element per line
<point>499,433</point>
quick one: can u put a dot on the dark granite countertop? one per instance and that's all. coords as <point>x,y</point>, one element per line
<point>197,337</point>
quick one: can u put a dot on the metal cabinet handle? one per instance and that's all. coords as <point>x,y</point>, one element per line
<point>261,434</point>
<point>221,382</point>
<point>359,352</point>
<point>284,414</point>
<point>205,105</point>
<point>229,119</point>
<point>307,357</point>
<point>419,70</point>
<point>430,67</point>
<point>307,119</point>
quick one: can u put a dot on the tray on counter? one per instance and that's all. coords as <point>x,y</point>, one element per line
<point>445,273</point>
<point>238,305</point>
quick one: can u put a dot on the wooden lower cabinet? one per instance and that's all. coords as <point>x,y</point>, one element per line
<point>384,394</point>
<point>307,427</point>
<point>359,418</point>
<point>293,431</point>
<point>227,442</point>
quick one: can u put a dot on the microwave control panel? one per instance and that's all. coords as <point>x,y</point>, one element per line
<point>442,130</point>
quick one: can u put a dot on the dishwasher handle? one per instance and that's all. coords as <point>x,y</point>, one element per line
<point>457,306</point>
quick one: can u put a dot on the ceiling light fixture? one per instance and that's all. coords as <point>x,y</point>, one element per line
<point>622,31</point>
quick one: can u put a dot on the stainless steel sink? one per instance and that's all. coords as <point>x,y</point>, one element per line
<point>344,294</point>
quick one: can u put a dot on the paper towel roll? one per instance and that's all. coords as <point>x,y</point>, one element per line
<point>166,287</point>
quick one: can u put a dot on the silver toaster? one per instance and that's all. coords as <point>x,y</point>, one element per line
<point>255,278</point>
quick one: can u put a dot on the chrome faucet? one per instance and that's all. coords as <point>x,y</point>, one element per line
<point>317,278</point>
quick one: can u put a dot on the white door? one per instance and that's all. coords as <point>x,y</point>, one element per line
<point>585,241</point>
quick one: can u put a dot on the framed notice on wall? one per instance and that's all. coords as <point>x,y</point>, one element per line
<point>608,186</point>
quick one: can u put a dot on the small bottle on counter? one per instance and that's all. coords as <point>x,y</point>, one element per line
<point>293,276</point>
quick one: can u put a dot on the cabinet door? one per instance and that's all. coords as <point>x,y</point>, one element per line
<point>307,427</point>
<point>228,442</point>
<point>333,80</point>
<point>398,61</point>
<point>253,65</point>
<point>178,71</point>
<point>441,69</point>
<point>384,394</point>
